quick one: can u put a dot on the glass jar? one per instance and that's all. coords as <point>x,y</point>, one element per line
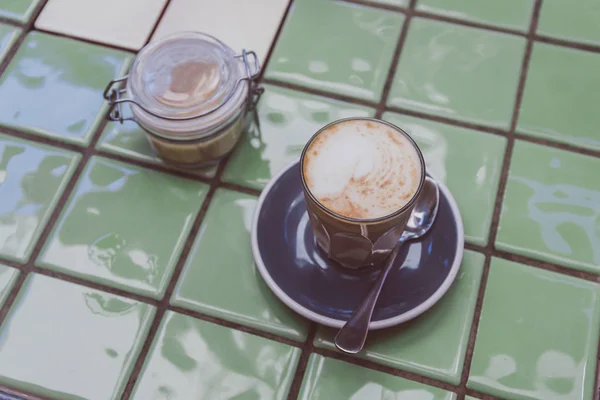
<point>190,93</point>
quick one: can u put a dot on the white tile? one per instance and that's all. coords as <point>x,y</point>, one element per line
<point>241,24</point>
<point>125,23</point>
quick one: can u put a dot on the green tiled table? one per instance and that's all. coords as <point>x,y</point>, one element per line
<point>122,278</point>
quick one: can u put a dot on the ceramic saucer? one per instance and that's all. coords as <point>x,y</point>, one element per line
<point>304,279</point>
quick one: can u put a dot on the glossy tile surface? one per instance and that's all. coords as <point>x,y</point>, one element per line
<point>539,342</point>
<point>193,359</point>
<point>82,346</point>
<point>128,139</point>
<point>241,24</point>
<point>8,277</point>
<point>328,379</point>
<point>8,36</point>
<point>18,10</point>
<point>434,344</point>
<point>513,14</point>
<point>570,21</point>
<point>287,120</point>
<point>119,230</point>
<point>350,49</point>
<point>32,178</point>
<point>220,277</point>
<point>126,24</point>
<point>452,71</point>
<point>53,87</point>
<point>467,161</point>
<point>560,94</point>
<point>550,208</point>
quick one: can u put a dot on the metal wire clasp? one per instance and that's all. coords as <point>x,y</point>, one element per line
<point>114,94</point>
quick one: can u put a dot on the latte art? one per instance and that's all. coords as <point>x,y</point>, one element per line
<point>362,169</point>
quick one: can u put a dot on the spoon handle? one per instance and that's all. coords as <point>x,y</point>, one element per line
<point>351,338</point>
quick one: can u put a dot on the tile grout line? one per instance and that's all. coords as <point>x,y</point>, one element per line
<point>408,14</point>
<point>596,389</point>
<point>307,351</point>
<point>490,248</point>
<point>157,22</point>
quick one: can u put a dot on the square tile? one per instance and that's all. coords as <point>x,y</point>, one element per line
<point>287,120</point>
<point>8,277</point>
<point>121,23</point>
<point>8,36</point>
<point>117,227</point>
<point>550,208</point>
<point>561,92</point>
<point>227,284</point>
<point>458,72</point>
<point>94,336</point>
<point>327,378</point>
<point>537,336</point>
<point>53,87</point>
<point>129,140</point>
<point>193,359</point>
<point>18,10</point>
<point>467,161</point>
<point>350,51</point>
<point>571,21</point>
<point>32,179</point>
<point>241,24</point>
<point>512,14</point>
<point>434,344</point>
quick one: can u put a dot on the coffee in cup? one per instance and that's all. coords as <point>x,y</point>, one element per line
<point>361,178</point>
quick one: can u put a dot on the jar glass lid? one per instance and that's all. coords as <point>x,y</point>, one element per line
<point>184,75</point>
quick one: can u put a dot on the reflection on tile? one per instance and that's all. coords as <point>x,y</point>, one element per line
<point>124,226</point>
<point>350,51</point>
<point>452,71</point>
<point>241,24</point>
<point>128,139</point>
<point>537,336</point>
<point>328,379</point>
<point>8,35</point>
<point>126,24</point>
<point>434,344</point>
<point>32,178</point>
<point>561,92</point>
<point>571,21</point>
<point>8,277</point>
<point>193,359</point>
<point>18,10</point>
<point>467,161</point>
<point>226,284</point>
<point>514,14</point>
<point>53,86</point>
<point>551,207</point>
<point>287,120</point>
<point>68,342</point>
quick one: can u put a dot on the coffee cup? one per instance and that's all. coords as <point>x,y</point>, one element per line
<point>361,178</point>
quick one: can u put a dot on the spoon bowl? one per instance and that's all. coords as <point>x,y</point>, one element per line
<point>352,337</point>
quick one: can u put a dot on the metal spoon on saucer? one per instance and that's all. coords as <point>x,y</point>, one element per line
<point>351,338</point>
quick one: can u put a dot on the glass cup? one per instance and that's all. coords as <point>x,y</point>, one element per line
<point>356,243</point>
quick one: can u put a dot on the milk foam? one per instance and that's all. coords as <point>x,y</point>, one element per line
<point>362,169</point>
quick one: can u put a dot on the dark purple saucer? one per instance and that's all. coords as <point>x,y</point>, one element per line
<point>303,278</point>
